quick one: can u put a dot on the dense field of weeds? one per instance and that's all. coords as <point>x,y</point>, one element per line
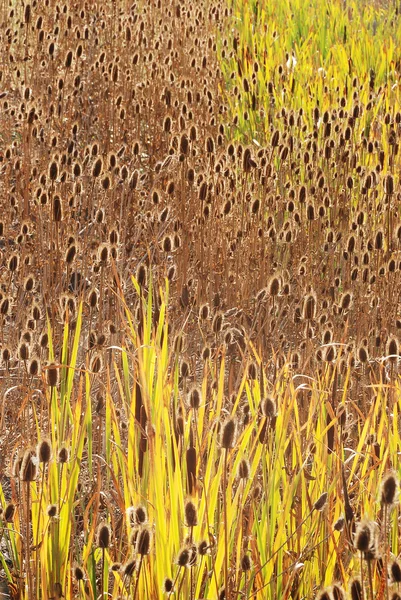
<point>200,284</point>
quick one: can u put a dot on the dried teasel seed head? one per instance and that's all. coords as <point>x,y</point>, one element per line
<point>228,434</point>
<point>364,536</point>
<point>309,307</point>
<point>52,510</point>
<point>44,451</point>
<point>217,322</point>
<point>52,375</point>
<point>63,455</point>
<point>203,548</point>
<point>268,407</point>
<point>339,524</point>
<point>142,275</point>
<point>168,585</point>
<point>389,489</point>
<point>183,557</point>
<point>392,349</point>
<point>191,514</point>
<point>129,568</point>
<point>143,542</point>
<point>9,512</point>
<point>246,563</point>
<point>244,469</point>
<point>29,466</point>
<point>103,536</point>
<point>195,398</point>
<point>356,592</point>
<point>140,515</point>
<point>321,502</point>
<point>395,571</point>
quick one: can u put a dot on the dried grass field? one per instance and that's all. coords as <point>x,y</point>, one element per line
<point>200,285</point>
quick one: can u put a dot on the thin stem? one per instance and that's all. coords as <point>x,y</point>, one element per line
<point>137,578</point>
<point>226,584</point>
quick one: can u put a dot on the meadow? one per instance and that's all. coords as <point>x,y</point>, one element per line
<point>200,240</point>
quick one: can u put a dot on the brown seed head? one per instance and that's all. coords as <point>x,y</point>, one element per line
<point>228,434</point>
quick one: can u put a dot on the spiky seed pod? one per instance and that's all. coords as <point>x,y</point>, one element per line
<point>324,595</point>
<point>273,287</point>
<point>389,489</point>
<point>363,355</point>
<point>129,568</point>
<point>268,407</point>
<point>217,322</point>
<point>338,592</point>
<point>244,469</point>
<point>309,307</point>
<point>52,375</point>
<point>70,254</point>
<point>53,171</point>
<point>52,511</point>
<point>13,263</point>
<point>79,574</point>
<point>275,138</point>
<point>395,571</point>
<point>346,301</point>
<point>228,434</point>
<point>184,369</point>
<point>29,467</point>
<point>321,502</point>
<point>140,515</point>
<point>143,542</point>
<point>63,455</point>
<point>246,563</point>
<point>388,184</point>
<point>204,312</point>
<point>363,536</point>
<point>168,585</point>
<point>392,349</point>
<point>183,557</point>
<point>142,275</point>
<point>97,168</point>
<point>203,548</point>
<point>191,514</point>
<point>44,451</point>
<point>34,367</point>
<point>339,524</point>
<point>195,398</point>
<point>356,590</point>
<point>178,343</point>
<point>103,536</point>
<point>252,371</point>
<point>133,536</point>
<point>9,512</point>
